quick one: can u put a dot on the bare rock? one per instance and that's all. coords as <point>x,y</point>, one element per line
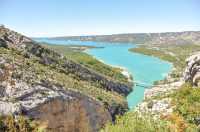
<point>156,107</point>
<point>162,89</point>
<point>9,38</point>
<point>7,108</point>
<point>78,114</point>
<point>192,71</point>
<point>63,110</point>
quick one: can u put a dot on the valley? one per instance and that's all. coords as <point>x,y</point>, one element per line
<point>82,85</point>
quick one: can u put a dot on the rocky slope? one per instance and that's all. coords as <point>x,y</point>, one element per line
<point>192,71</point>
<point>46,86</point>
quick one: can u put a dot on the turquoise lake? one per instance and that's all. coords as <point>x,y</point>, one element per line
<point>144,69</point>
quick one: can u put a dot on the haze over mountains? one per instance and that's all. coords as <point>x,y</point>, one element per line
<point>186,37</point>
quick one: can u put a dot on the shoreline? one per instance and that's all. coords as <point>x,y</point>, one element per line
<point>124,70</point>
<point>126,73</point>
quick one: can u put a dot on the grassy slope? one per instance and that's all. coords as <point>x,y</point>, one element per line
<point>89,61</point>
<point>186,103</point>
<point>132,122</point>
<point>34,71</point>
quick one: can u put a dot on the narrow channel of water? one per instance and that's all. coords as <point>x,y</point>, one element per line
<point>144,69</point>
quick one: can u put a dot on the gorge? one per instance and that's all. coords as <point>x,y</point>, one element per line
<point>144,69</point>
<point>53,84</point>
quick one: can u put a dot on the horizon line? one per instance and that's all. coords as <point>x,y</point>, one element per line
<point>94,35</point>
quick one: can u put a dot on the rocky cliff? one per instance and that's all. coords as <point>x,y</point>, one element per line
<point>192,71</point>
<point>46,86</point>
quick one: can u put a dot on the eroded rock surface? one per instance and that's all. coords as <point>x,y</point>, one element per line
<point>10,38</point>
<point>59,109</point>
<point>77,114</point>
<point>192,71</point>
<point>162,89</point>
<point>156,107</point>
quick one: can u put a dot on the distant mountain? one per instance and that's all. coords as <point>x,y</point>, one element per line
<point>186,37</point>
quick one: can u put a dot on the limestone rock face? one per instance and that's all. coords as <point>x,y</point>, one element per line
<point>192,71</point>
<point>62,110</point>
<point>77,114</point>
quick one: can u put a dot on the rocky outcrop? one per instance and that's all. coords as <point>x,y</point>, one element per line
<point>156,107</point>
<point>77,114</point>
<point>50,103</point>
<point>162,89</point>
<point>192,71</point>
<point>10,38</point>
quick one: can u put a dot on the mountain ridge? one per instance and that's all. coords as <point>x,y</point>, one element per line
<point>141,38</point>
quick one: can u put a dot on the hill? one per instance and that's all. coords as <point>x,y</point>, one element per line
<point>43,89</point>
<point>187,37</point>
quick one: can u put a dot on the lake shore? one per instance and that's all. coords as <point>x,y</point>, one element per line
<point>124,70</point>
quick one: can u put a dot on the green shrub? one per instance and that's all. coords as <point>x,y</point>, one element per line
<point>187,102</point>
<point>89,61</point>
<point>133,122</point>
<point>19,124</point>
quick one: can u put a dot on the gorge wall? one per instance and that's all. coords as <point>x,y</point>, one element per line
<point>58,107</point>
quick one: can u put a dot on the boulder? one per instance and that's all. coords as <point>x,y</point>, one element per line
<point>50,104</point>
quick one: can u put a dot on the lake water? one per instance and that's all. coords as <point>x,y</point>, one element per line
<point>144,69</point>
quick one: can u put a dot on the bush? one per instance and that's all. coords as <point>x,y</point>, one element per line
<point>187,102</point>
<point>133,122</point>
<point>19,124</point>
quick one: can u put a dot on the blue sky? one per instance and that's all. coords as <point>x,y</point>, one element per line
<point>90,17</point>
